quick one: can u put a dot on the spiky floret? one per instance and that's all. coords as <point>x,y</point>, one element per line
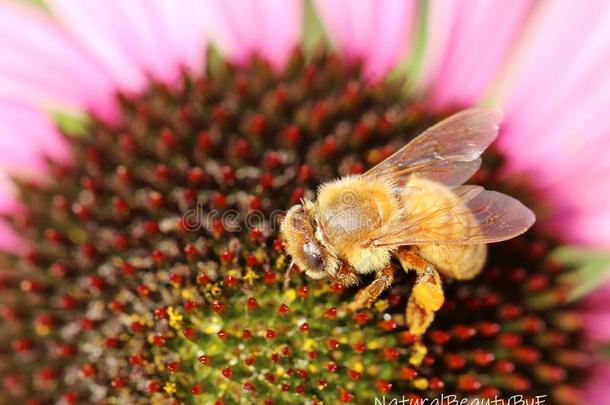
<point>155,271</point>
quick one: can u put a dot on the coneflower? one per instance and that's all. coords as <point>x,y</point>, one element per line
<point>155,271</point>
<point>142,261</point>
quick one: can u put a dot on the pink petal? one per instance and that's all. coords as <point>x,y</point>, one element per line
<point>281,25</point>
<point>378,33</point>
<point>593,230</point>
<point>597,326</point>
<point>597,390</point>
<point>595,313</point>
<point>573,78</point>
<point>92,23</point>
<point>9,240</point>
<point>134,24</point>
<point>136,38</point>
<point>271,28</point>
<point>8,203</point>
<point>600,298</point>
<point>440,21</point>
<point>40,63</point>
<point>184,23</point>
<point>233,26</point>
<point>468,43</point>
<point>28,137</point>
<point>16,158</point>
<point>557,125</point>
<point>335,16</point>
<point>394,31</point>
<point>33,126</point>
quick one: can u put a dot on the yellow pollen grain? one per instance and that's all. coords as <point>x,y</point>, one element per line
<point>260,255</point>
<point>290,294</point>
<point>381,305</point>
<point>187,293</point>
<point>313,368</point>
<point>359,367</point>
<point>42,330</point>
<point>309,345</point>
<point>421,383</point>
<point>170,388</point>
<point>250,276</point>
<point>175,318</point>
<point>234,273</point>
<point>418,354</point>
<point>213,289</point>
<point>213,325</point>
<point>280,262</point>
<point>375,344</point>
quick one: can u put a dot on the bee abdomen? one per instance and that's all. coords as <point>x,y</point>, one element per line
<point>455,261</point>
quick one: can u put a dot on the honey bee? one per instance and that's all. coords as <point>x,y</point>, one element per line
<point>412,206</point>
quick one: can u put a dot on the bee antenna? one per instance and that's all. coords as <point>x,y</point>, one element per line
<point>287,275</point>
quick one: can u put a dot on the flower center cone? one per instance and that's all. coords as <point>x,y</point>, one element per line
<point>155,271</point>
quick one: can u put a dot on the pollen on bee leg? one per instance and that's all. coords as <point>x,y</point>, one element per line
<point>427,295</point>
<point>428,288</point>
<point>418,318</point>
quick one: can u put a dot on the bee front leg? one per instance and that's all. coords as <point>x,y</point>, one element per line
<point>427,296</point>
<point>369,294</point>
<point>347,276</point>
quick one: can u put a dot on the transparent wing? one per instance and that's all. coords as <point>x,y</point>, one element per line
<point>473,216</point>
<point>447,153</point>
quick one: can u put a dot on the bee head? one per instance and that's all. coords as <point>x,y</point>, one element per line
<point>299,232</point>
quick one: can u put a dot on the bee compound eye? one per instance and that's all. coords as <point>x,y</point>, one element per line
<point>313,256</point>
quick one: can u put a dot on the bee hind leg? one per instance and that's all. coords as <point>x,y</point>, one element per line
<point>427,296</point>
<point>369,294</point>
